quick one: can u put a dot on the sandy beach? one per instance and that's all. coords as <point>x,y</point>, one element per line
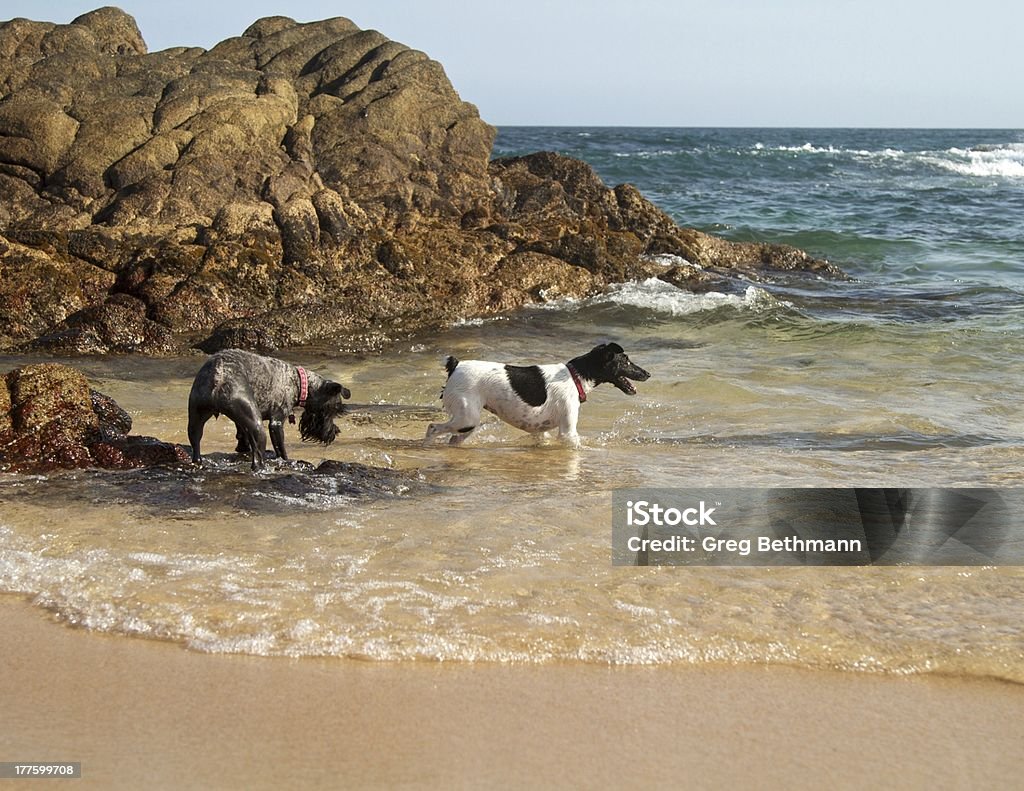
<point>139,713</point>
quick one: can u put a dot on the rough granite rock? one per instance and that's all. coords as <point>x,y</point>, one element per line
<point>300,182</point>
<point>51,419</point>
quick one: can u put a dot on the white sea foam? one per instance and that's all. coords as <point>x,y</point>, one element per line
<point>229,606</point>
<point>661,297</point>
<point>477,322</point>
<point>807,148</point>
<point>810,148</point>
<point>661,152</point>
<point>986,162</point>
<point>152,558</point>
<point>668,260</point>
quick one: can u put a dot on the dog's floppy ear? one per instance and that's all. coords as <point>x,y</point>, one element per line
<point>334,388</point>
<point>609,350</point>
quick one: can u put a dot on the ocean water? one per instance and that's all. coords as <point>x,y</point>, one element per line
<point>906,374</point>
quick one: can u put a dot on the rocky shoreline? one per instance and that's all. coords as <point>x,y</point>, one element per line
<point>51,419</point>
<point>299,183</point>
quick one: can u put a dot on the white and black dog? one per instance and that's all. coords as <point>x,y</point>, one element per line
<point>249,389</point>
<point>535,398</point>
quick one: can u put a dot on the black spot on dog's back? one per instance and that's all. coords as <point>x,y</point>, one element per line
<point>528,383</point>
<point>450,365</point>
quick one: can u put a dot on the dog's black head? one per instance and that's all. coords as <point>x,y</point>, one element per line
<point>609,363</point>
<point>322,406</point>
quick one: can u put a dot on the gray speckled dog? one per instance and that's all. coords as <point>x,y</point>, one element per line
<point>249,389</point>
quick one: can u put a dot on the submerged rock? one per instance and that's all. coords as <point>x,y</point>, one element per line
<point>300,182</point>
<point>224,483</point>
<point>51,419</point>
<point>328,486</point>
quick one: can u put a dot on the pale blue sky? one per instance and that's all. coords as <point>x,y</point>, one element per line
<point>670,62</point>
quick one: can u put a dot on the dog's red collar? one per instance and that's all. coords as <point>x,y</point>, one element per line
<point>577,381</point>
<point>303,385</point>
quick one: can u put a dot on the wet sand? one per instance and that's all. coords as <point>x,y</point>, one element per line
<point>140,713</point>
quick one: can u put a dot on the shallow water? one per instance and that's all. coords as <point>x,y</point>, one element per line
<point>907,375</point>
<point>501,550</point>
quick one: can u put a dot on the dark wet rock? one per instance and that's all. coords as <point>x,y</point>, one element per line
<point>245,335</point>
<point>51,419</point>
<point>371,477</point>
<point>561,209</point>
<point>112,419</point>
<point>225,484</point>
<point>118,325</point>
<point>301,182</point>
<point>328,485</point>
<point>696,279</point>
<point>136,451</point>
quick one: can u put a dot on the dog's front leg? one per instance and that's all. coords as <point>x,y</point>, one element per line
<point>567,432</point>
<point>277,437</point>
<point>258,443</point>
<point>196,421</point>
<point>572,440</point>
<point>249,426</point>
<point>241,443</point>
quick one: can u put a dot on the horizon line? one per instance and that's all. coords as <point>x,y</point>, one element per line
<point>764,126</point>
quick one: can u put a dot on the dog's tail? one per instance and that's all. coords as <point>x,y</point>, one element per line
<point>450,365</point>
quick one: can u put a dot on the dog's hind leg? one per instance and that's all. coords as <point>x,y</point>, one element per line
<point>461,435</point>
<point>436,429</point>
<point>465,416</point>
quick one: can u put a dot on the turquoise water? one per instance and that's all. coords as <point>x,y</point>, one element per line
<point>906,375</point>
<point>927,221</point>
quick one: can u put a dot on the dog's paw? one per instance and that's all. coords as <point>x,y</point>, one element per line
<point>573,441</point>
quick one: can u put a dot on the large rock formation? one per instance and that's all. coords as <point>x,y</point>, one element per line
<point>298,182</point>
<point>51,419</point>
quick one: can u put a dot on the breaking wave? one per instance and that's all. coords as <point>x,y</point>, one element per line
<point>663,298</point>
<point>983,161</point>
